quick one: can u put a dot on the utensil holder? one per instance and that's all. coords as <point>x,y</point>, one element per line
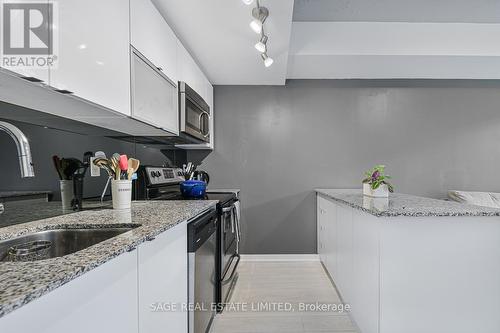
<point>121,192</point>
<point>66,187</point>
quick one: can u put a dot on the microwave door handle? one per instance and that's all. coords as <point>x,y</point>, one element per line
<point>204,132</point>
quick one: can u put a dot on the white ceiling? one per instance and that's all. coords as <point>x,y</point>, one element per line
<point>337,39</point>
<point>217,34</point>
<point>440,11</point>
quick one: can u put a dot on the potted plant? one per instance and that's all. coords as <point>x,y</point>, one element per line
<point>376,183</point>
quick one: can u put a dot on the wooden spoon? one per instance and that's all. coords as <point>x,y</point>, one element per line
<point>133,166</point>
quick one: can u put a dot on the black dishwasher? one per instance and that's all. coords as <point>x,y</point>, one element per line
<point>202,250</point>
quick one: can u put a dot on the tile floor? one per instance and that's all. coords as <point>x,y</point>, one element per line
<point>290,285</point>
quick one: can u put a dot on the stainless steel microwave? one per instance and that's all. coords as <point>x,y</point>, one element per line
<point>194,113</point>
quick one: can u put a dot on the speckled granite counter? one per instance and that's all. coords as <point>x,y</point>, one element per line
<point>23,211</point>
<point>405,205</point>
<point>22,282</point>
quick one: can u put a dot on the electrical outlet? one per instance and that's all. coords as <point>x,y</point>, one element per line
<point>95,171</point>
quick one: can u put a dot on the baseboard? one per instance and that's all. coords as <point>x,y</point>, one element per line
<point>279,257</point>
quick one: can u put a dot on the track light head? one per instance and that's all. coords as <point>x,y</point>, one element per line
<point>247,2</point>
<point>268,61</point>
<point>260,15</point>
<point>261,44</point>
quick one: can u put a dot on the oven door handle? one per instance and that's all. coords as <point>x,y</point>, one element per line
<point>229,211</point>
<point>224,281</point>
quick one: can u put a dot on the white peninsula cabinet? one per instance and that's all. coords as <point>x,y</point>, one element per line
<point>163,282</point>
<point>102,300</point>
<point>404,269</point>
<point>94,59</point>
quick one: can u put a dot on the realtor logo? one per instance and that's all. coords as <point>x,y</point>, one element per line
<point>28,37</point>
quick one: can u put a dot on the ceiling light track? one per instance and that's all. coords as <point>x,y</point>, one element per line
<point>260,14</point>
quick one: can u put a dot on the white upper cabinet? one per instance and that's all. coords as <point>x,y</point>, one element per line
<point>152,36</point>
<point>189,71</point>
<point>154,96</point>
<point>94,58</point>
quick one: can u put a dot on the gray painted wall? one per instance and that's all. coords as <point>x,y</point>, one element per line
<point>279,143</point>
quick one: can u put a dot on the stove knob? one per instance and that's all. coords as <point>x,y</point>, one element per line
<point>158,173</point>
<point>153,174</point>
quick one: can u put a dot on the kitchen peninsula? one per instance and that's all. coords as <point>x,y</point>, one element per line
<point>412,264</point>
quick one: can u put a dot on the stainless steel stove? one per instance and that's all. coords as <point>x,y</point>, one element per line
<point>161,183</point>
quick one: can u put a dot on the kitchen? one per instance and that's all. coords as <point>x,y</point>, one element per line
<point>264,110</point>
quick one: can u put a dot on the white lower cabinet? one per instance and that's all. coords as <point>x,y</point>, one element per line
<point>327,242</point>
<point>163,282</point>
<point>143,291</point>
<point>348,246</point>
<point>102,300</point>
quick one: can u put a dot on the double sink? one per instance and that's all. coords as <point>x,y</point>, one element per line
<point>55,243</point>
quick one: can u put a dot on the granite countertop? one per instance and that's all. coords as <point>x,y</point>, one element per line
<point>22,282</point>
<point>23,211</point>
<point>405,205</point>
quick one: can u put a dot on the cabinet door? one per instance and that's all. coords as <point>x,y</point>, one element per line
<point>365,277</point>
<point>189,71</point>
<point>331,236</point>
<point>321,216</point>
<point>154,96</point>
<point>152,36</point>
<point>102,300</point>
<point>94,52</point>
<point>163,282</point>
<point>344,274</point>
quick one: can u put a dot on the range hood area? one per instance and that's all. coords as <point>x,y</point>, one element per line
<point>38,104</point>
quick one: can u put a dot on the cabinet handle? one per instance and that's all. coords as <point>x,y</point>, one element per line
<point>63,91</point>
<point>32,79</point>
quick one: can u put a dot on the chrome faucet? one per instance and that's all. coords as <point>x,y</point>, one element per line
<point>23,148</point>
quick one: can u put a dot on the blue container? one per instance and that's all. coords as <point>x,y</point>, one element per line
<point>194,189</point>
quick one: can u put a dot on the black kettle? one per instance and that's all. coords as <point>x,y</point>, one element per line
<point>201,175</point>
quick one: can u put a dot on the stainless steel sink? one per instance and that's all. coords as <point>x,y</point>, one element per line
<point>55,243</point>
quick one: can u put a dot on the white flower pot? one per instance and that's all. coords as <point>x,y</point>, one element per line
<point>372,203</point>
<point>381,192</point>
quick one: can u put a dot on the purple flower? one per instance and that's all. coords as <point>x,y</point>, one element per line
<point>375,175</point>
